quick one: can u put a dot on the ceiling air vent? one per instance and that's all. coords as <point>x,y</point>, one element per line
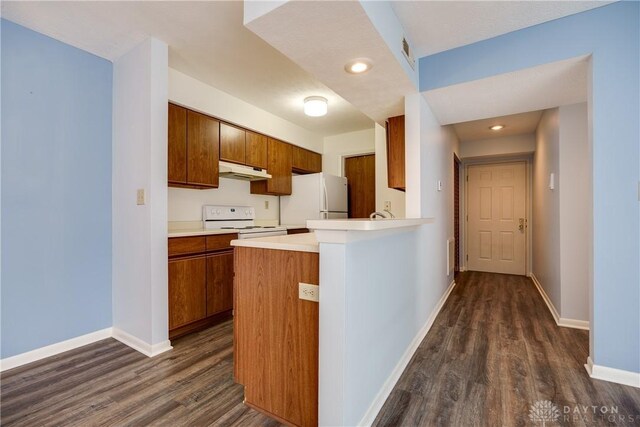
<point>406,50</point>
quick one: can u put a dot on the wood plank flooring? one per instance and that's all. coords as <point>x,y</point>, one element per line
<point>109,384</point>
<point>493,351</point>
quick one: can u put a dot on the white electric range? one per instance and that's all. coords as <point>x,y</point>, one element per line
<point>237,218</point>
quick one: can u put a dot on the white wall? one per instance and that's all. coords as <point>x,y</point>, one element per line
<point>506,145</point>
<point>575,203</point>
<point>337,147</point>
<point>140,301</point>
<point>546,207</point>
<point>561,231</point>
<point>186,204</point>
<point>373,334</point>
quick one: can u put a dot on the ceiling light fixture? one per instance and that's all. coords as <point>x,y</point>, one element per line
<point>315,106</point>
<point>497,127</point>
<point>358,66</point>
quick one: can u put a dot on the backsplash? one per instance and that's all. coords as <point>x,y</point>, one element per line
<point>186,204</point>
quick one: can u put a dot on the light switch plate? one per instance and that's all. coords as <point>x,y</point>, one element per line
<point>140,196</point>
<point>439,185</point>
<point>308,292</point>
<point>387,205</point>
<point>552,181</point>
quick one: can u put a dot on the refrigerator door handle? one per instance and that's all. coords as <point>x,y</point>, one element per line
<point>326,196</point>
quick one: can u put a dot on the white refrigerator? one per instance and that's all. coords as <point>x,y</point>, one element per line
<point>314,196</point>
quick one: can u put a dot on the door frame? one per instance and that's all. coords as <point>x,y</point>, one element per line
<point>527,159</point>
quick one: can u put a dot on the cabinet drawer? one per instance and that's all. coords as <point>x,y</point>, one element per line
<point>186,245</point>
<point>220,241</point>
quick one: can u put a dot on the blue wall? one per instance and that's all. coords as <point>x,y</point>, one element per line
<point>56,191</point>
<point>612,35</point>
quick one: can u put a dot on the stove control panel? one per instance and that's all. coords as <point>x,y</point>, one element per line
<point>227,213</point>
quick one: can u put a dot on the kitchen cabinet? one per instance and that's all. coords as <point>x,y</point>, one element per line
<point>279,156</point>
<point>187,291</point>
<point>242,146</point>
<point>177,141</point>
<point>232,144</point>
<point>395,153</point>
<point>256,150</point>
<point>203,150</point>
<point>200,282</point>
<point>305,161</point>
<point>193,149</point>
<point>219,282</point>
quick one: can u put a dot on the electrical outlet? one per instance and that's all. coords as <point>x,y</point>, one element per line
<point>140,196</point>
<point>387,205</point>
<point>308,292</point>
<point>266,204</point>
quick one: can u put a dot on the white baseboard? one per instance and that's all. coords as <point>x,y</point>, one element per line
<point>53,349</point>
<point>560,321</point>
<point>137,344</point>
<point>375,407</point>
<point>60,347</point>
<point>612,374</point>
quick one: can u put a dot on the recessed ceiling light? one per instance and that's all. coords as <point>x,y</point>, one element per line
<point>497,127</point>
<point>315,106</point>
<point>358,66</point>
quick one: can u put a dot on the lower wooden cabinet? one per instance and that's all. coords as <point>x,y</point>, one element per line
<point>200,282</point>
<point>219,282</point>
<point>187,291</point>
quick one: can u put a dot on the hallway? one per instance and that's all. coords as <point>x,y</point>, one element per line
<point>493,351</point>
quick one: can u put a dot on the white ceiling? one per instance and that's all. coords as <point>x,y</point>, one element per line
<point>207,40</point>
<point>346,33</point>
<point>536,88</point>
<point>435,26</point>
<point>515,124</point>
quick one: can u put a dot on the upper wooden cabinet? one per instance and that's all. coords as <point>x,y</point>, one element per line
<point>193,144</point>
<point>395,153</point>
<point>279,156</point>
<point>305,161</point>
<point>177,139</point>
<point>256,150</point>
<point>242,146</point>
<point>232,144</point>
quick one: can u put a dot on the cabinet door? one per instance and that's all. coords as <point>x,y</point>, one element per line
<point>395,153</point>
<point>203,136</point>
<point>219,282</point>
<point>177,140</point>
<point>279,166</point>
<point>305,161</point>
<point>187,291</point>
<point>256,150</point>
<point>232,144</point>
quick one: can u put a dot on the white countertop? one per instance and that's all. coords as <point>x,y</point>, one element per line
<point>365,224</point>
<point>200,232</point>
<point>304,242</point>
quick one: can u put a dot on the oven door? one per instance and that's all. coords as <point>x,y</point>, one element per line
<point>256,234</point>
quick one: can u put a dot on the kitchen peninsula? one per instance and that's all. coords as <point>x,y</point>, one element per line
<point>322,363</point>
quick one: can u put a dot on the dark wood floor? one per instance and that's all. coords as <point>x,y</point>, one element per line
<point>109,384</point>
<point>493,351</point>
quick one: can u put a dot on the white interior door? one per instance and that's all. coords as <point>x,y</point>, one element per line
<point>496,223</point>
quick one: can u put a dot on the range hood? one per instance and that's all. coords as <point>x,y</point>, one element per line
<point>244,173</point>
